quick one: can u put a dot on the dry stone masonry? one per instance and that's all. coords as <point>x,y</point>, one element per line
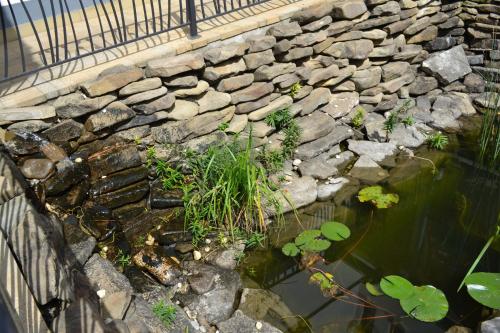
<point>85,153</point>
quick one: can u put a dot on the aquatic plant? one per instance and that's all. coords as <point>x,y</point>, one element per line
<point>255,239</point>
<point>359,117</point>
<point>437,140</point>
<point>165,312</point>
<point>425,303</point>
<point>484,288</point>
<point>323,280</point>
<point>122,259</point>
<point>315,240</point>
<point>375,195</point>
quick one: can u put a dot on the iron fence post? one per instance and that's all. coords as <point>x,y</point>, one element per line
<point>191,15</point>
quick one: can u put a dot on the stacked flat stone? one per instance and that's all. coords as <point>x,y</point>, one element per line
<point>87,148</point>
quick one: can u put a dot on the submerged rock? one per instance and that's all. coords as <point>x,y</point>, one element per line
<point>328,191</point>
<point>377,151</point>
<point>368,171</point>
<point>241,323</point>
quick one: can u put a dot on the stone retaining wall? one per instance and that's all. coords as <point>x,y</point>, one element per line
<point>86,151</point>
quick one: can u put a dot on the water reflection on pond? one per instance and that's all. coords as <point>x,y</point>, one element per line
<point>431,237</point>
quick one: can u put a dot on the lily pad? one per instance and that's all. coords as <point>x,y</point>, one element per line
<point>375,195</point>
<point>396,286</point>
<point>335,231</point>
<point>484,288</point>
<point>427,303</point>
<point>373,289</point>
<point>323,280</point>
<point>290,249</point>
<point>316,245</point>
<point>306,236</point>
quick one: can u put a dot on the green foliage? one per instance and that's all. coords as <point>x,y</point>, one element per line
<point>165,312</point>
<point>294,90</point>
<point>375,195</point>
<point>335,231</point>
<point>437,140</point>
<point>255,239</point>
<point>373,289</point>
<point>408,121</point>
<point>316,240</point>
<point>170,178</point>
<point>484,288</point>
<point>122,259</point>
<point>223,126</point>
<point>324,280</point>
<point>290,250</point>
<point>198,230</point>
<point>391,122</point>
<point>359,117</point>
<point>227,189</point>
<point>425,303</point>
<point>396,286</point>
<point>281,120</point>
<point>150,156</point>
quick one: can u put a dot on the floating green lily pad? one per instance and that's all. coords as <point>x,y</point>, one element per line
<point>375,195</point>
<point>290,249</point>
<point>484,288</point>
<point>335,231</point>
<point>323,280</point>
<point>396,286</point>
<point>306,236</point>
<point>373,289</point>
<point>427,303</point>
<point>316,245</point>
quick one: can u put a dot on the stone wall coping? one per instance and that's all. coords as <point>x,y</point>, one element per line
<point>61,86</point>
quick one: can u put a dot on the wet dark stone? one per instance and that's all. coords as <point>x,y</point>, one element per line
<point>441,43</point>
<point>67,174</point>
<point>123,196</point>
<point>97,220</point>
<point>64,131</point>
<point>73,198</point>
<point>80,244</point>
<point>161,198</point>
<point>130,211</point>
<point>113,159</point>
<point>118,180</point>
<point>22,143</point>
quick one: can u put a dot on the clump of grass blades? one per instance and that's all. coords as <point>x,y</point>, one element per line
<point>227,190</point>
<point>489,139</point>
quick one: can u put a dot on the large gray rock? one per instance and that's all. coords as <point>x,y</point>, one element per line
<point>219,54</point>
<point>140,86</point>
<point>341,104</point>
<point>255,60</point>
<point>175,65</point>
<point>64,131</point>
<point>326,165</point>
<point>377,151</point>
<point>315,126</point>
<point>236,82</point>
<point>76,104</point>
<point>160,104</point>
<point>367,170</point>
<point>226,69</point>
<point>409,136</point>
<point>300,192</point>
<point>145,96</point>
<point>367,78</point>
<point>491,326</point>
<point>102,275</point>
<point>213,100</point>
<point>316,98</point>
<point>280,103</point>
<point>355,49</point>
<point>252,92</point>
<point>112,79</point>
<point>285,30</point>
<point>269,72</point>
<point>448,66</point>
<point>113,114</point>
<point>348,9</point>
<point>328,191</point>
<point>321,145</point>
<point>261,43</point>
<point>241,323</point>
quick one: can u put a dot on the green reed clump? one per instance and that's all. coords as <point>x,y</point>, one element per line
<point>227,190</point>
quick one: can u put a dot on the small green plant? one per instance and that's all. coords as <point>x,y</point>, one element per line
<point>123,260</point>
<point>150,156</point>
<point>409,121</point>
<point>137,140</point>
<point>251,271</point>
<point>317,240</point>
<point>239,257</point>
<point>140,241</point>
<point>375,195</point>
<point>165,312</point>
<point>294,90</point>
<point>255,239</point>
<point>223,126</point>
<point>291,141</point>
<point>170,178</point>
<point>199,231</point>
<point>391,122</point>
<point>359,117</point>
<point>273,160</point>
<point>279,119</point>
<point>437,140</point>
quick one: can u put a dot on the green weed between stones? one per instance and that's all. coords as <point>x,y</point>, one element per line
<point>359,117</point>
<point>437,140</point>
<point>165,312</point>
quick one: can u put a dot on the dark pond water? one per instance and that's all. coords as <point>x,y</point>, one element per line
<point>431,237</point>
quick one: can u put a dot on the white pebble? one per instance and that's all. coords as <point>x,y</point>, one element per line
<point>101,293</point>
<point>196,255</point>
<point>296,162</point>
<point>78,160</point>
<point>104,249</point>
<point>208,241</point>
<point>206,249</point>
<point>258,325</point>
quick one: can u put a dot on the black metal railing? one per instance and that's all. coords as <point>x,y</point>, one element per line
<point>39,34</point>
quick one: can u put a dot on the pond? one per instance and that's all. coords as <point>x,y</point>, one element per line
<point>431,236</point>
